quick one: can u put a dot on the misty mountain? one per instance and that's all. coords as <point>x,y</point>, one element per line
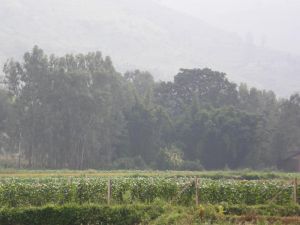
<point>145,35</point>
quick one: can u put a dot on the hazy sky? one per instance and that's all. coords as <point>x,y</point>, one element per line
<point>273,23</point>
<point>141,34</point>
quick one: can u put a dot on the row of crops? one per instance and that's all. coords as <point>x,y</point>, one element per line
<point>41,191</point>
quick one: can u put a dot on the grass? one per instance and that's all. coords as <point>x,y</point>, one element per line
<point>240,174</point>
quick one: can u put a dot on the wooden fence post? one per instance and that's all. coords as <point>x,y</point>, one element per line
<point>108,191</point>
<point>295,191</point>
<point>199,195</point>
<point>152,180</point>
<point>196,189</point>
<point>69,180</point>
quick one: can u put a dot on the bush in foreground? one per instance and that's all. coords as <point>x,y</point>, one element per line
<point>157,213</point>
<point>78,215</point>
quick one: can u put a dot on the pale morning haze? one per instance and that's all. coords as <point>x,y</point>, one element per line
<point>253,41</point>
<point>271,23</point>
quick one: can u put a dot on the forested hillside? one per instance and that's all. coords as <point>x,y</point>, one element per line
<point>78,112</point>
<point>142,34</point>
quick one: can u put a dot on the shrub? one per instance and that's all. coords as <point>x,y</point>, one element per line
<point>191,166</point>
<point>127,163</point>
<point>169,158</point>
<point>78,215</point>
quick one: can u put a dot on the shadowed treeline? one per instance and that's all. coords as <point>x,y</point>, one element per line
<point>78,112</point>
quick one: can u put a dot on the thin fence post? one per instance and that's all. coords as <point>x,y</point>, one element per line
<point>152,180</point>
<point>295,190</point>
<point>108,191</point>
<point>196,189</point>
<point>199,195</point>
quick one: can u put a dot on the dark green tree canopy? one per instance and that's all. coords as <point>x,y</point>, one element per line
<point>77,111</point>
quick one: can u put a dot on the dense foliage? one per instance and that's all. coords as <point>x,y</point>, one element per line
<point>155,214</point>
<point>42,191</point>
<point>78,215</point>
<point>78,112</point>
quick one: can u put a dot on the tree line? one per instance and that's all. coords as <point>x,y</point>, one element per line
<point>78,112</point>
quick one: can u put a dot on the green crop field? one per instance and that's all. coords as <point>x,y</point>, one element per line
<point>148,197</point>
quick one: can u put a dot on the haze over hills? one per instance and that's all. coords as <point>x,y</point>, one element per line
<point>145,35</point>
<point>272,23</point>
